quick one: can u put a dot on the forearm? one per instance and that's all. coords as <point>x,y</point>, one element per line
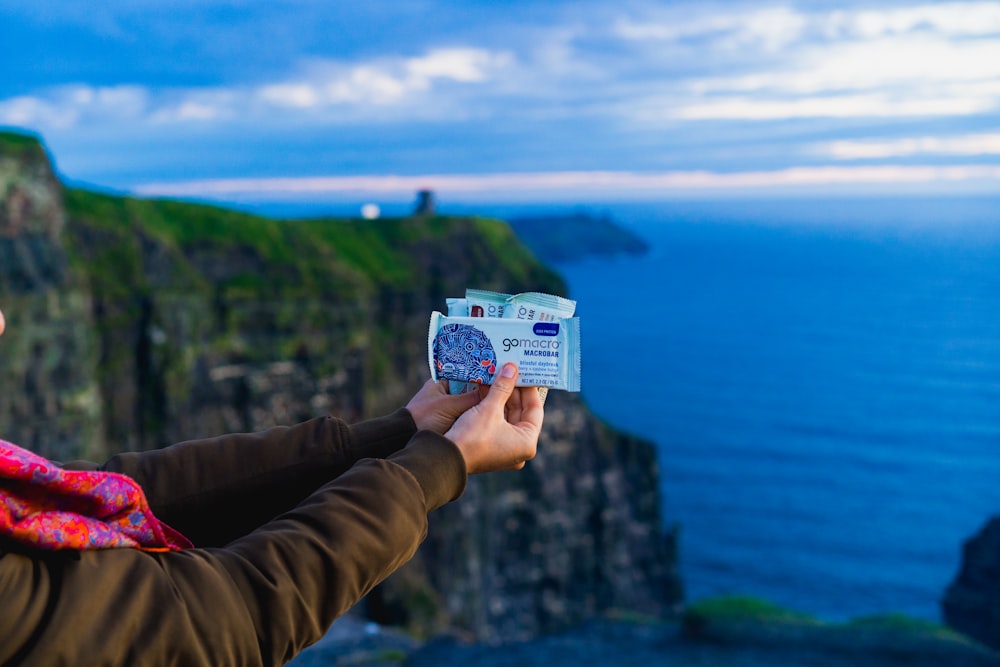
<point>216,489</point>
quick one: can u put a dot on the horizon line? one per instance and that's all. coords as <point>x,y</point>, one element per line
<point>605,181</point>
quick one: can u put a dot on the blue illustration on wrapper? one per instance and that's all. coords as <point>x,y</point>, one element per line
<point>463,352</point>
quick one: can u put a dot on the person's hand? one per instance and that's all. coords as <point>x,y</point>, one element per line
<point>500,433</point>
<point>2,323</point>
<point>434,409</point>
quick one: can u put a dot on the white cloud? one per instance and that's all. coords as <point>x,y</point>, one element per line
<point>957,19</point>
<point>302,95</point>
<point>30,111</point>
<point>924,60</point>
<point>773,27</point>
<point>770,28</point>
<point>915,62</point>
<point>465,65</point>
<point>66,106</point>
<point>383,82</point>
<point>969,144</point>
<point>839,106</point>
<point>325,86</point>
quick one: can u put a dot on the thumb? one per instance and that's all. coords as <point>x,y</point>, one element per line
<point>502,388</point>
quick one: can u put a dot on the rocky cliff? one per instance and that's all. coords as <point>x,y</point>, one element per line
<point>47,394</point>
<point>567,238</point>
<point>971,604</point>
<point>135,323</point>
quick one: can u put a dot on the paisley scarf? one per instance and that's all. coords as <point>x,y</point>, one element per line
<point>46,507</point>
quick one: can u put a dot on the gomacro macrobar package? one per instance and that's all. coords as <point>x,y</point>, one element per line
<point>473,349</point>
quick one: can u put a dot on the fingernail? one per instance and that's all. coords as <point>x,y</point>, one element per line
<point>509,371</point>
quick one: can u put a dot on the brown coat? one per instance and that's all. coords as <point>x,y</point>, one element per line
<point>293,526</point>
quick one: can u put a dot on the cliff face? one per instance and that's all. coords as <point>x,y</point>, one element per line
<point>971,604</point>
<point>47,395</point>
<point>578,531</point>
<point>134,324</point>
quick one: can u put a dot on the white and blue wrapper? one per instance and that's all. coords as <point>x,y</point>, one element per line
<point>538,306</point>
<point>474,349</point>
<point>458,307</point>
<point>484,303</point>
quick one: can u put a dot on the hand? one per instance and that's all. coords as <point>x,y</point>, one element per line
<point>434,409</point>
<point>500,433</point>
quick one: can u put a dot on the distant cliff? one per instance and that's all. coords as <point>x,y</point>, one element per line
<point>565,238</point>
<point>134,323</point>
<point>971,604</point>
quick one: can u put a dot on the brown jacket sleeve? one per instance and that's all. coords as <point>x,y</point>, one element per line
<point>217,489</point>
<point>258,601</point>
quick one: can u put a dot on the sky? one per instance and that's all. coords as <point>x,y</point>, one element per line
<point>308,100</point>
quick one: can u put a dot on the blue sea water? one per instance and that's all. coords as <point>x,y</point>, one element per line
<point>822,381</point>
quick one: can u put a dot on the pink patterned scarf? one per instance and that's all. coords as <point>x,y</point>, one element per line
<point>46,507</point>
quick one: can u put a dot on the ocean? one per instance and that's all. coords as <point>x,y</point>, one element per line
<point>821,379</point>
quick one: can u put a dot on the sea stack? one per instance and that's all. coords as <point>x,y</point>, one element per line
<point>971,604</point>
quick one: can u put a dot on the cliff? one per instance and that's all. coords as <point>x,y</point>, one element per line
<point>971,604</point>
<point>136,323</point>
<point>566,238</point>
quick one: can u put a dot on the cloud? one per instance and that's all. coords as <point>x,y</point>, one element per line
<point>636,85</point>
<point>591,182</point>
<point>350,90</point>
<point>837,106</point>
<point>67,106</point>
<point>384,82</point>
<point>776,26</point>
<point>969,144</point>
<point>926,60</point>
<point>31,111</point>
<point>957,19</point>
<point>914,62</point>
<point>769,28</point>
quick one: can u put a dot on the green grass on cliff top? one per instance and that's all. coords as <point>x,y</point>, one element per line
<point>291,256</point>
<point>751,611</point>
<point>20,144</point>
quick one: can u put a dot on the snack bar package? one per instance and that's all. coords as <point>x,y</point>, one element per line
<point>483,303</point>
<point>473,349</point>
<point>459,308</point>
<point>538,306</point>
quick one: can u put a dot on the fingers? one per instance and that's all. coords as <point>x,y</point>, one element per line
<point>512,410</point>
<point>532,407</point>
<point>503,386</point>
<point>462,402</point>
<point>435,409</point>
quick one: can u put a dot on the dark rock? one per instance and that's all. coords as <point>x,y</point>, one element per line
<point>971,604</point>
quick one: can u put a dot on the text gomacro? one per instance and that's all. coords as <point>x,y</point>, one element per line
<point>534,343</point>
